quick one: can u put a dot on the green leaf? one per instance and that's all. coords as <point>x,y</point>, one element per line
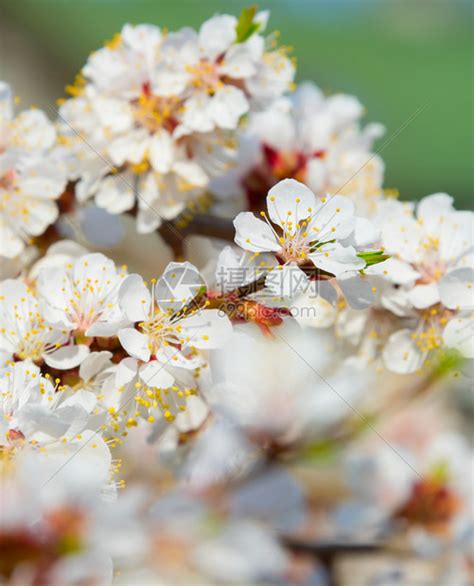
<point>373,257</point>
<point>246,26</point>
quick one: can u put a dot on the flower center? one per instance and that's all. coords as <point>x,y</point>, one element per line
<point>205,76</point>
<point>160,331</point>
<point>428,336</point>
<point>155,112</point>
<point>296,247</point>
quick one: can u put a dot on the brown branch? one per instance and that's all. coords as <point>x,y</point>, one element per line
<point>199,225</point>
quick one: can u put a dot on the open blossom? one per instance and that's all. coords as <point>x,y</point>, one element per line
<point>29,180</point>
<point>433,264</point>
<point>162,109</point>
<point>311,138</point>
<point>165,332</point>
<point>169,331</point>
<point>219,73</point>
<point>26,334</point>
<point>37,413</point>
<point>82,296</point>
<point>302,230</point>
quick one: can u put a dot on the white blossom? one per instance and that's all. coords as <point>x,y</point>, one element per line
<point>26,333</point>
<point>30,181</point>
<point>433,250</point>
<point>300,229</point>
<point>82,296</point>
<point>314,139</point>
<point>152,117</point>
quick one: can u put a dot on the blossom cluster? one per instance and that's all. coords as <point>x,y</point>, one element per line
<point>161,110</point>
<point>211,422</point>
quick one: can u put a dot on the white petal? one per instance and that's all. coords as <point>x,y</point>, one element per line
<point>113,113</point>
<point>115,194</point>
<point>395,271</point>
<point>147,220</point>
<point>403,236</point>
<point>401,355</point>
<point>357,291</point>
<point>456,238</point>
<point>423,296</point>
<point>432,211</point>
<point>134,298</point>
<point>254,234</point>
<point>227,106</point>
<point>196,114</point>
<point>154,374</point>
<point>317,175</point>
<point>33,131</point>
<point>168,355</point>
<point>240,61</point>
<point>333,219</point>
<point>130,147</point>
<point>196,413</point>
<point>459,334</point>
<point>290,201</point>
<point>344,109</point>
<point>126,371</point>
<point>161,151</point>
<point>207,329</point>
<point>191,172</point>
<point>456,289</point>
<point>217,34</point>
<point>365,233</point>
<point>336,259</point>
<point>135,343</point>
<point>67,357</point>
<point>94,364</point>
<point>396,300</point>
<point>42,179</point>
<point>313,312</point>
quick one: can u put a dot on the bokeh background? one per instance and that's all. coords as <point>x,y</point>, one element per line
<point>410,62</point>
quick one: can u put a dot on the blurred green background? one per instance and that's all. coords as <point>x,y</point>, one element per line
<point>396,56</point>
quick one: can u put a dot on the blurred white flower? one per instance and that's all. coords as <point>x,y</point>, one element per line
<point>153,115</point>
<point>433,264</point>
<point>291,385</point>
<point>37,413</point>
<point>314,139</point>
<point>30,181</point>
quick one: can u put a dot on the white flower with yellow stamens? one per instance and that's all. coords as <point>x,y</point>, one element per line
<point>170,332</point>
<point>29,180</point>
<point>152,118</point>
<point>25,333</point>
<point>82,296</point>
<point>36,412</point>
<point>315,139</point>
<point>220,71</point>
<point>301,230</point>
<point>433,264</point>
